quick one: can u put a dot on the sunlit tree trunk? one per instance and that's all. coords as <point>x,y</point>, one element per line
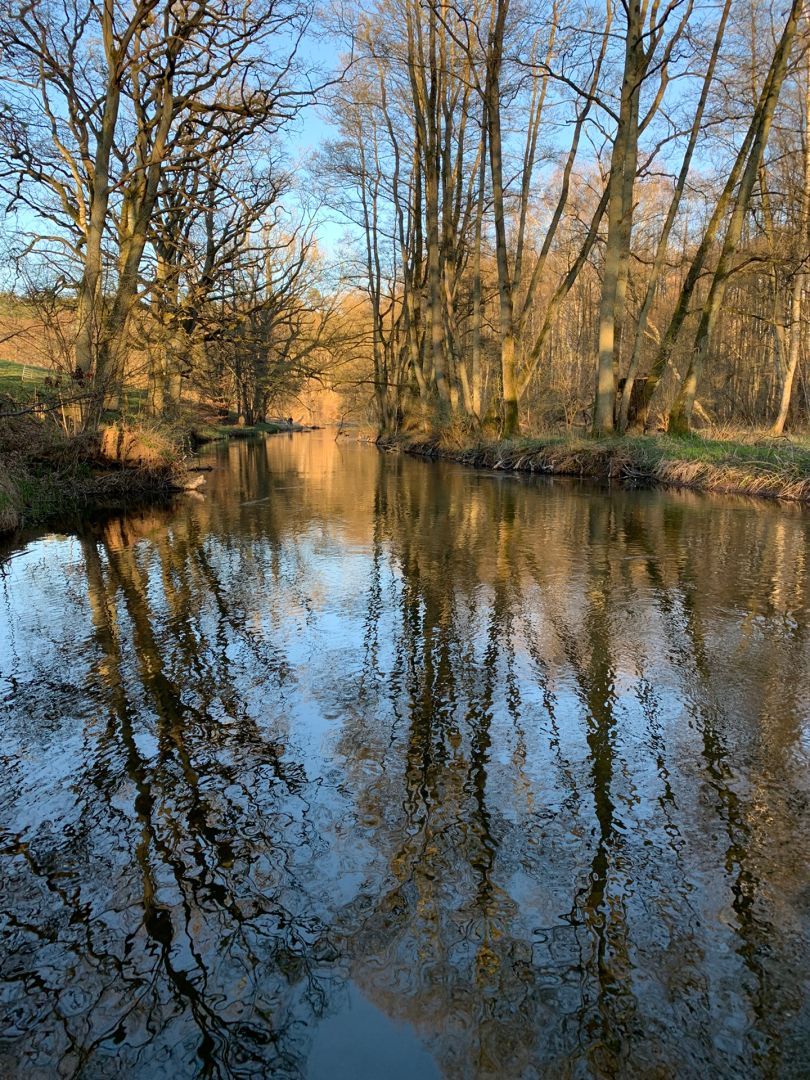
<point>799,282</point>
<point>663,241</point>
<point>509,421</point>
<point>623,165</point>
<point>425,75</point>
<point>681,412</point>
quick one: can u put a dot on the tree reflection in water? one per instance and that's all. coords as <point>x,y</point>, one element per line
<point>522,766</point>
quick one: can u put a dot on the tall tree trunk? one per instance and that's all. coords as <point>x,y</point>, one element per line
<point>799,282</point>
<point>621,182</point>
<point>681,412</point>
<point>794,348</point>
<point>477,306</point>
<point>88,313</point>
<point>663,241</point>
<point>424,74</point>
<point>509,423</point>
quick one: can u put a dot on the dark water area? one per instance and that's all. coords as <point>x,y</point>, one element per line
<point>363,766</point>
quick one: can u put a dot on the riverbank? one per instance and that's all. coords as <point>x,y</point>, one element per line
<point>45,473</point>
<point>756,466</point>
<point>203,432</point>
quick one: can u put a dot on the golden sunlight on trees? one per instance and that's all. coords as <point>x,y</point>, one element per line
<point>512,216</point>
<point>139,142</point>
<point>552,206</point>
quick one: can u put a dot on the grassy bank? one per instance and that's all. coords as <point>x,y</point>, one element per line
<point>28,384</point>
<point>745,465</point>
<point>206,432</point>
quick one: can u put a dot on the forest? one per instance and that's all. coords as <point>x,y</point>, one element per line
<point>495,218</point>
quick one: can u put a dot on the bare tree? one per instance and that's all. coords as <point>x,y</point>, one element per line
<point>88,134</point>
<point>645,29</point>
<point>681,412</point>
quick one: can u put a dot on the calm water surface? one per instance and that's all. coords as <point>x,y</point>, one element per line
<point>367,767</point>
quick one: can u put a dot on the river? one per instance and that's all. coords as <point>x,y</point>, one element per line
<point>368,767</point>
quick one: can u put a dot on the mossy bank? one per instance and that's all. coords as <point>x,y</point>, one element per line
<point>757,466</point>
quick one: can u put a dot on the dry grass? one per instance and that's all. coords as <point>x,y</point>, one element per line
<point>745,479</point>
<point>28,433</point>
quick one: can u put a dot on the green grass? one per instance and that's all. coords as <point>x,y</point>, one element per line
<point>765,452</point>
<point>23,382</point>
<point>37,491</point>
<point>42,495</point>
<point>205,433</point>
<point>758,451</point>
<point>234,431</point>
<point>26,383</point>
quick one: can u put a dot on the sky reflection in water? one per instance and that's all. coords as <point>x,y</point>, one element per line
<point>366,767</point>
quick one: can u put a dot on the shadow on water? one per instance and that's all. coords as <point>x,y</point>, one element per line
<point>366,766</point>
